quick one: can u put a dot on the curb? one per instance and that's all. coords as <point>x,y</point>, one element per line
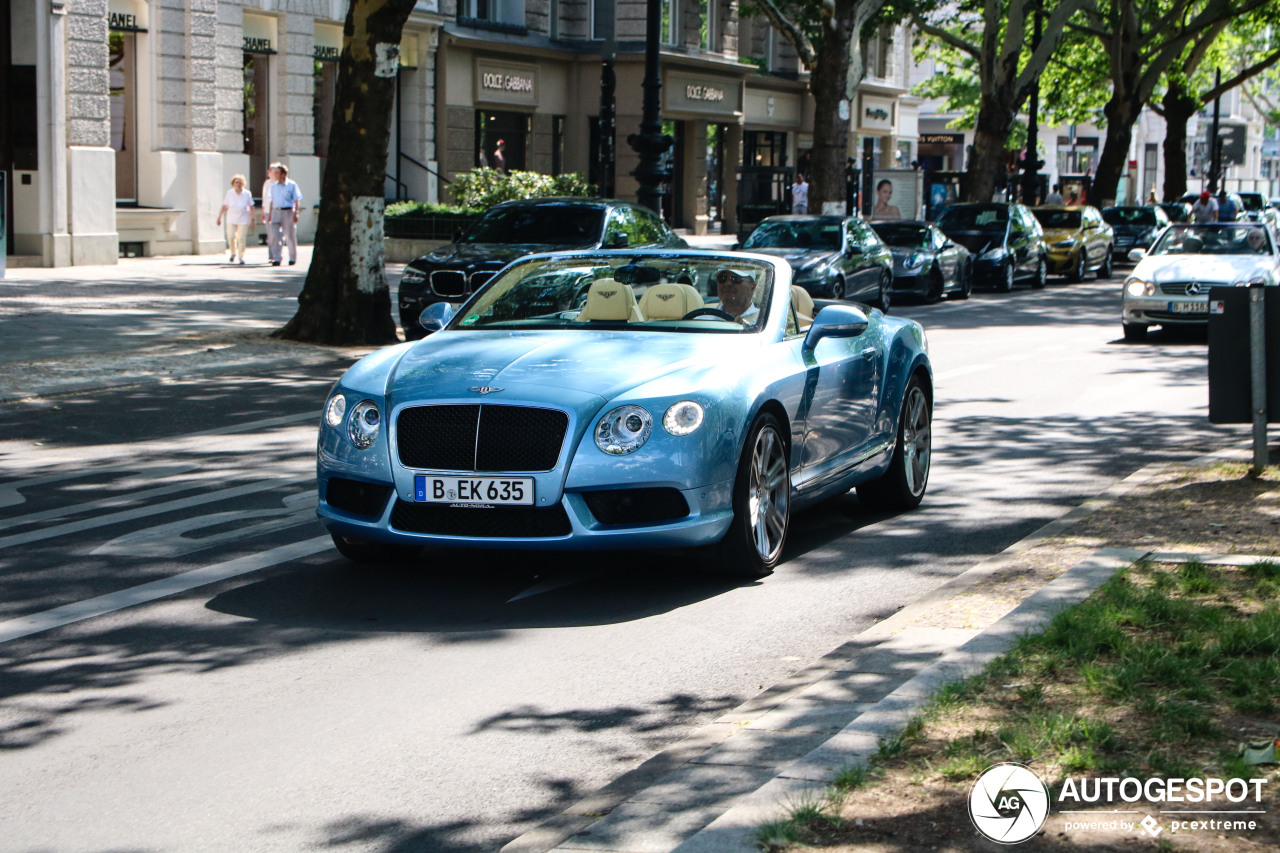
<point>710,792</point>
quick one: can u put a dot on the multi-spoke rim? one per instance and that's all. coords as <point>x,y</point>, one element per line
<point>769,497</point>
<point>916,439</point>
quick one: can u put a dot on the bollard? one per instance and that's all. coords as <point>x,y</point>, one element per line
<point>1258,375</point>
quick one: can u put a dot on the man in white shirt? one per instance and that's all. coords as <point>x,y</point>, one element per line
<point>735,289</point>
<point>800,195</point>
<point>286,198</point>
<point>1205,209</point>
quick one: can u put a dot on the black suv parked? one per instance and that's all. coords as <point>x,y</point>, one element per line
<point>514,229</point>
<point>1006,241</point>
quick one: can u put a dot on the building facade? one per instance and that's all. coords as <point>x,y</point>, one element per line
<point>125,119</point>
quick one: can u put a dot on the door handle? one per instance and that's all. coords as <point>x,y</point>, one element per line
<point>869,353</point>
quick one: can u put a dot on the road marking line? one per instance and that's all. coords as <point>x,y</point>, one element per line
<point>142,512</point>
<point>25,626</point>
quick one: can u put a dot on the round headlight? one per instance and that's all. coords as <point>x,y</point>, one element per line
<point>682,418</point>
<point>334,412</point>
<point>362,426</point>
<point>624,430</point>
<point>1138,287</point>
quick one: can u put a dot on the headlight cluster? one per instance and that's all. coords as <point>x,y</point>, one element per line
<point>1068,243</point>
<point>363,421</point>
<point>625,429</point>
<point>1138,287</point>
<point>915,260</point>
<point>993,254</point>
<point>413,276</point>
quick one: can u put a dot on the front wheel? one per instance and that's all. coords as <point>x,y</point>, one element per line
<point>966,282</point>
<point>1005,285</point>
<point>884,294</point>
<point>1108,266</point>
<point>761,503</point>
<point>359,551</point>
<point>903,485</point>
<point>937,284</point>
<point>837,288</point>
<point>1042,275</point>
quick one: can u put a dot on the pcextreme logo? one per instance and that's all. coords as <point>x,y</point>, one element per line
<point>1008,803</point>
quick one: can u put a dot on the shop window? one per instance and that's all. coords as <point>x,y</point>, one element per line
<point>122,66</point>
<point>326,91</point>
<point>515,131</point>
<point>557,145</point>
<point>669,32</point>
<point>509,12</point>
<point>764,148</point>
<point>257,114</point>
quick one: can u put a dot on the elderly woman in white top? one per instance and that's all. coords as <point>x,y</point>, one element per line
<point>238,208</point>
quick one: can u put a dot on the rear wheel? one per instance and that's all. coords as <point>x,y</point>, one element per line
<point>1135,331</point>
<point>761,503</point>
<point>903,485</point>
<point>359,551</point>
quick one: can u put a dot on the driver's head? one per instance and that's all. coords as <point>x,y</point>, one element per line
<point>735,287</point>
<point>1255,238</point>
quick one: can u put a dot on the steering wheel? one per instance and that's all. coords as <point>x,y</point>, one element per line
<point>710,312</point>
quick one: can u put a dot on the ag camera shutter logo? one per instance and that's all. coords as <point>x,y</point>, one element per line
<point>1008,803</point>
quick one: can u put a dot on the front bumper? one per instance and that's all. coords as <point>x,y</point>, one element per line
<point>1062,261</point>
<point>988,272</point>
<point>1164,311</point>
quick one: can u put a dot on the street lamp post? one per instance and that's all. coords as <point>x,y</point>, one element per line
<point>608,107</point>
<point>650,143</point>
<point>1031,161</point>
<point>1215,143</point>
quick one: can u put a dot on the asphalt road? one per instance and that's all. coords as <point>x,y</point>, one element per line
<point>185,663</point>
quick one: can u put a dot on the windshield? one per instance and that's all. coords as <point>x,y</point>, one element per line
<point>1252,201</point>
<point>1224,238</point>
<point>796,234</point>
<point>1176,212</point>
<point>544,224</point>
<point>904,235</point>
<point>974,218</point>
<point>1130,216</point>
<point>624,292</point>
<point>1052,218</point>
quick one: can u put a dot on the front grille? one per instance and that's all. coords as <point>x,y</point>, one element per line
<point>516,522</point>
<point>1179,288</point>
<point>479,279</point>
<point>474,437</point>
<point>1169,315</point>
<point>355,497</point>
<point>449,282</point>
<point>636,506</point>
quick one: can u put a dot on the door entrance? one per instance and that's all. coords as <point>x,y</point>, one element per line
<point>512,129</point>
<point>257,117</point>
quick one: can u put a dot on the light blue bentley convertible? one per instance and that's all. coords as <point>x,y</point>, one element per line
<point>626,399</point>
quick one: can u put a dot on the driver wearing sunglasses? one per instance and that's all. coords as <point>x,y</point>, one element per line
<point>735,289</point>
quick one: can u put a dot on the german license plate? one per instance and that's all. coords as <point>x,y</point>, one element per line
<point>430,488</point>
<point>1189,307</point>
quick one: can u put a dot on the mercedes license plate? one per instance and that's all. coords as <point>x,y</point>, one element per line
<point>1189,307</point>
<point>430,488</point>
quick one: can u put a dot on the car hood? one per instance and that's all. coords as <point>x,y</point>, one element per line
<point>1135,228</point>
<point>798,258</point>
<point>1224,269</point>
<point>1052,235</point>
<point>488,254</point>
<point>978,241</point>
<point>600,363</point>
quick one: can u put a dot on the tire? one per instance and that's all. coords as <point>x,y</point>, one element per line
<point>1082,267</point>
<point>1135,332</point>
<point>1005,284</point>
<point>885,293</point>
<point>761,504</point>
<point>966,283</point>
<point>359,551</point>
<point>937,284</point>
<point>837,288</point>
<point>1108,266</point>
<point>903,485</point>
<point>1042,275</point>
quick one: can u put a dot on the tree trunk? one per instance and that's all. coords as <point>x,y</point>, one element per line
<point>986,163</point>
<point>1121,114</point>
<point>1179,107</point>
<point>830,132</point>
<point>346,299</point>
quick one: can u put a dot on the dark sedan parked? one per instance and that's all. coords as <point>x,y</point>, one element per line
<point>926,264</point>
<point>838,257</point>
<point>514,229</point>
<point>1007,242</point>
<point>1135,226</point>
<point>1177,211</point>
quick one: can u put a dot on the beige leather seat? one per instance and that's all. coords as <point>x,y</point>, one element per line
<point>803,303</point>
<point>669,301</point>
<point>608,300</point>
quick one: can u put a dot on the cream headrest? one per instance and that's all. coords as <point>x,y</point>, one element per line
<point>669,301</point>
<point>802,302</point>
<point>609,300</point>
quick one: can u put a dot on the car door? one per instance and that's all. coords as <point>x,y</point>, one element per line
<point>865,274</point>
<point>947,254</point>
<point>842,386</point>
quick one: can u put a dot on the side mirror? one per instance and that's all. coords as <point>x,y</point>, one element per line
<point>619,241</point>
<point>735,247</point>
<point>853,249</point>
<point>436,316</point>
<point>1136,255</point>
<point>836,321</point>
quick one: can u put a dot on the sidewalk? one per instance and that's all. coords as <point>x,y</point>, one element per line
<point>713,791</point>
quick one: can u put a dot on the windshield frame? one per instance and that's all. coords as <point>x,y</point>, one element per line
<point>1210,234</point>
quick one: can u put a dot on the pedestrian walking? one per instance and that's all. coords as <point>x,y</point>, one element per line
<point>238,208</point>
<point>286,198</point>
<point>273,245</point>
<point>1205,209</point>
<point>1226,210</point>
<point>800,195</point>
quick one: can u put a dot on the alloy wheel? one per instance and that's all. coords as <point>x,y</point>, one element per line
<point>917,440</point>
<point>769,495</point>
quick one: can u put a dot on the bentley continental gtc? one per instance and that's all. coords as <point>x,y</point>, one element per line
<point>682,400</point>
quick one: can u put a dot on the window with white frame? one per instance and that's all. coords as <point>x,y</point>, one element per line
<point>493,11</point>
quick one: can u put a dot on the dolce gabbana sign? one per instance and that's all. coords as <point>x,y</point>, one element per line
<point>506,83</point>
<point>704,95</point>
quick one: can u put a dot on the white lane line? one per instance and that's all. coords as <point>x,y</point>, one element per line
<point>10,494</point>
<point>25,626</point>
<point>186,485</point>
<point>142,512</point>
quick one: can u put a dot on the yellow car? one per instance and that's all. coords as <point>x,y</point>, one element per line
<point>1079,241</point>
